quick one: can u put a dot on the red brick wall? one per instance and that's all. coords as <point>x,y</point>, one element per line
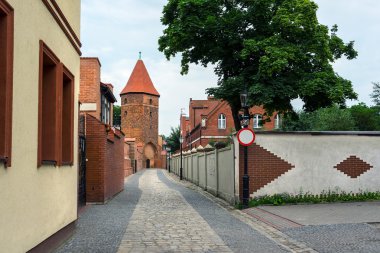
<point>89,91</point>
<point>105,165</point>
<point>96,138</point>
<point>263,167</point>
<point>211,128</point>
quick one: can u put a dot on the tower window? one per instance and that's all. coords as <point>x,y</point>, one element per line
<point>125,100</point>
<point>150,119</point>
<point>150,101</point>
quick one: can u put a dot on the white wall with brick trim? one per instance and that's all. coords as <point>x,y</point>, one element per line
<point>314,156</point>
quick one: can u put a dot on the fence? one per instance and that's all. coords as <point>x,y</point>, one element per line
<point>288,162</point>
<point>214,171</point>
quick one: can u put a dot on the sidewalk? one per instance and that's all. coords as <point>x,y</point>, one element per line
<point>334,227</point>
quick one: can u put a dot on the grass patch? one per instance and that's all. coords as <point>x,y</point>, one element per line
<point>307,198</point>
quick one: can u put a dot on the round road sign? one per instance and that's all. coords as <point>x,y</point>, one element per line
<point>246,137</point>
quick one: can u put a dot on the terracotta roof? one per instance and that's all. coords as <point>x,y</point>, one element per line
<point>140,82</point>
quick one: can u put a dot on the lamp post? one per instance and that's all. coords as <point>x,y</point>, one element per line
<point>245,123</point>
<point>170,154</point>
<point>180,168</point>
<point>167,158</point>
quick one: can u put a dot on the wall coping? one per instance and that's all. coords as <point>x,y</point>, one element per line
<point>318,133</point>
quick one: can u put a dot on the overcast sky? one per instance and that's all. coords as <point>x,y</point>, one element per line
<point>115,31</point>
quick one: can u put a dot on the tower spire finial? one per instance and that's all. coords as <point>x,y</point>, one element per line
<point>140,55</point>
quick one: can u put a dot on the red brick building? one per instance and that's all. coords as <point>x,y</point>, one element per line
<point>211,121</point>
<point>139,117</point>
<point>104,154</point>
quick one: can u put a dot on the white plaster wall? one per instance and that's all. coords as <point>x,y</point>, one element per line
<point>35,202</point>
<point>314,158</point>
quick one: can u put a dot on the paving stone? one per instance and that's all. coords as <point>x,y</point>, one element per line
<point>164,210</point>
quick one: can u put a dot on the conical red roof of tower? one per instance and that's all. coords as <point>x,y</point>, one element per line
<point>140,82</point>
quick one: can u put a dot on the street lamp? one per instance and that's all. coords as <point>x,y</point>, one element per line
<point>168,157</point>
<point>245,123</point>
<point>180,168</point>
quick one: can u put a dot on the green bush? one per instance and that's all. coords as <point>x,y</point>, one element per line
<point>324,197</point>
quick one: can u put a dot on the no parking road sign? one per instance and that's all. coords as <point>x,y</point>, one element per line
<point>246,137</point>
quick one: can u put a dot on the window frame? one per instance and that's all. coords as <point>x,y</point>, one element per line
<point>277,121</point>
<point>57,132</point>
<point>66,73</point>
<point>6,129</point>
<point>256,121</point>
<point>222,121</point>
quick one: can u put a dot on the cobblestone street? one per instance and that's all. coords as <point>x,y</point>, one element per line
<point>156,214</point>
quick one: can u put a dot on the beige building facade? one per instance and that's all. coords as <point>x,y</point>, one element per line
<point>38,166</point>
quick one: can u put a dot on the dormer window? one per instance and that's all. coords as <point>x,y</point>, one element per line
<point>222,121</point>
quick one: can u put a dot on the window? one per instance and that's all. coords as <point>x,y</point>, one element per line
<point>150,101</point>
<point>6,81</point>
<point>56,111</point>
<point>105,110</point>
<point>203,122</point>
<point>222,121</point>
<point>125,101</point>
<point>277,121</point>
<point>257,121</point>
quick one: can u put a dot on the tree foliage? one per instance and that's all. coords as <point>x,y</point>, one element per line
<point>366,118</point>
<point>173,139</point>
<point>359,117</point>
<point>277,48</point>
<point>376,93</point>
<point>116,115</point>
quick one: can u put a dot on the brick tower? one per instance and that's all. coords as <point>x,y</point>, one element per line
<point>139,115</point>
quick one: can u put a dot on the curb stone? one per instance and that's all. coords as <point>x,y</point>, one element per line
<point>271,233</point>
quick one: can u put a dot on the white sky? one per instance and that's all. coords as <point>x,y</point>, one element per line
<point>115,32</point>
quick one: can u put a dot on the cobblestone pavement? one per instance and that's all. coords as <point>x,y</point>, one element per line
<point>155,214</point>
<point>100,228</point>
<point>164,222</point>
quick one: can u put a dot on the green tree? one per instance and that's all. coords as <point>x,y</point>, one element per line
<point>173,139</point>
<point>376,93</point>
<point>333,119</point>
<point>277,48</point>
<point>366,119</point>
<point>324,119</point>
<point>117,115</point>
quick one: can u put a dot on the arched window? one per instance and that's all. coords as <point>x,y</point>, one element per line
<point>125,101</point>
<point>257,121</point>
<point>222,121</point>
<point>277,121</point>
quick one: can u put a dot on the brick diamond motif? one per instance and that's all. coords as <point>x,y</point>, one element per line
<point>264,167</point>
<point>353,167</point>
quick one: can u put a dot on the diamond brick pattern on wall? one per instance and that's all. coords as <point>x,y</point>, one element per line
<point>353,166</point>
<point>263,167</point>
